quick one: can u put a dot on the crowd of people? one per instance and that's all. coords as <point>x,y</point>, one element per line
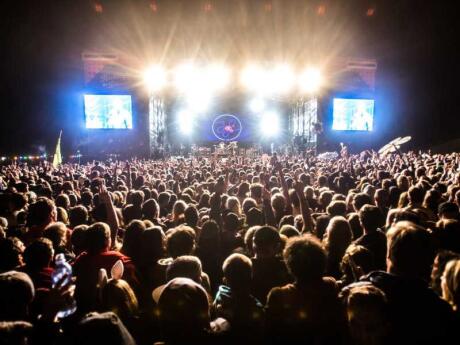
<point>362,249</point>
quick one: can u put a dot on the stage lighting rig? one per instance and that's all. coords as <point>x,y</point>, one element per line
<point>257,105</point>
<point>155,78</point>
<point>310,80</point>
<point>269,124</point>
<point>185,121</point>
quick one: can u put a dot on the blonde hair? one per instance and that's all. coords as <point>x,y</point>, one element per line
<point>118,296</point>
<point>233,204</point>
<point>451,283</point>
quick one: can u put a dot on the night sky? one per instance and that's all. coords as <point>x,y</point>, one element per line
<point>414,42</point>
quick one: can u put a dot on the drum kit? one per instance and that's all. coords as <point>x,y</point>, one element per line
<point>394,145</point>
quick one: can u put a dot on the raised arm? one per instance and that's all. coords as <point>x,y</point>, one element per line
<point>308,223</point>
<point>112,219</point>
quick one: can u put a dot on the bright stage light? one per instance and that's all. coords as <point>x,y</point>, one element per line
<point>254,78</point>
<point>310,80</point>
<point>198,101</point>
<point>277,80</point>
<point>185,122</point>
<point>155,78</point>
<point>269,125</point>
<point>217,77</point>
<point>185,77</point>
<point>257,105</point>
<point>281,79</point>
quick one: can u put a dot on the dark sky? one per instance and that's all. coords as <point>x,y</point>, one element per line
<point>415,43</point>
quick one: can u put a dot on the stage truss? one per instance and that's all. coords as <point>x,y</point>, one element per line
<point>157,124</point>
<point>302,120</point>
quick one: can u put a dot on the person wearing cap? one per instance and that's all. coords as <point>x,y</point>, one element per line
<point>183,312</point>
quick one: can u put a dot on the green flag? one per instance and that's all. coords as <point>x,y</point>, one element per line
<point>57,160</point>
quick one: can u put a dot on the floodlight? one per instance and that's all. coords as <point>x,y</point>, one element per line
<point>269,124</point>
<point>257,105</point>
<point>185,77</point>
<point>217,77</point>
<point>155,78</point>
<point>310,80</point>
<point>281,79</point>
<point>185,121</point>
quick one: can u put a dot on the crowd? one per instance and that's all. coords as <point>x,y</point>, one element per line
<point>361,249</point>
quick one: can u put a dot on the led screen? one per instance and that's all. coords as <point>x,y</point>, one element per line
<point>353,114</point>
<point>108,112</point>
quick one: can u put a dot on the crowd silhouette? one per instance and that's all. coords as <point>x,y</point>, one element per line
<point>360,249</point>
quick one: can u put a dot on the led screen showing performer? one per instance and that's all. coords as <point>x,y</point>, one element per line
<point>353,114</point>
<point>226,127</point>
<point>108,111</point>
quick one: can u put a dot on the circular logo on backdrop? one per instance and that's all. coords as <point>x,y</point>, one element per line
<point>226,127</point>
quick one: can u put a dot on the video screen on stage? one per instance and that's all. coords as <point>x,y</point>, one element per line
<point>353,114</point>
<point>108,111</point>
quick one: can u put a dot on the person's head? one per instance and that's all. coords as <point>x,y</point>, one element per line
<point>15,332</point>
<point>410,251</point>
<point>448,210</point>
<point>87,199</point>
<point>305,258</point>
<point>381,197</point>
<point>366,311</point>
<point>416,195</point>
<point>439,265</point>
<point>17,201</point>
<point>11,250</point>
<point>237,270</point>
<point>254,217</point>
<point>117,296</point>
<point>233,205</point>
<point>102,328</point>
<point>338,237</point>
<point>183,311</point>
<point>39,254</point>
<point>403,183</point>
<point>256,191</point>
<point>432,200</point>
<point>325,199</point>
<point>191,216</point>
<point>78,215</point>
<point>243,189</point>
<point>186,266</point>
<point>150,209</point>
<point>153,241</point>
<point>450,284</point>
<point>361,199</point>
<point>289,231</point>
<point>78,239</point>
<point>356,262</point>
<point>371,218</point>
<point>180,241</point>
<point>278,202</point>
<point>133,239</point>
<point>136,198</point>
<point>249,239</point>
<point>62,200</point>
<point>337,208</point>
<point>209,239</point>
<point>231,222</point>
<point>98,238</point>
<point>164,198</point>
<point>16,293</point>
<point>41,213</point>
<point>266,242</point>
<point>57,233</point>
